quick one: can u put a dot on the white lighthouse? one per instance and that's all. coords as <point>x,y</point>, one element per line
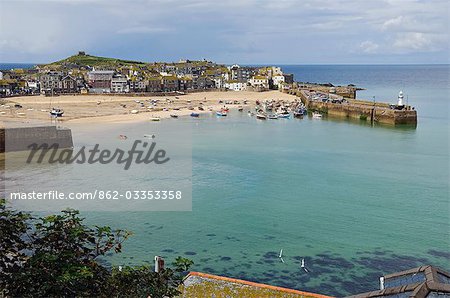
<point>400,98</point>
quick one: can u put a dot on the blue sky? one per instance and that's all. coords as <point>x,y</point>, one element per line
<point>244,31</point>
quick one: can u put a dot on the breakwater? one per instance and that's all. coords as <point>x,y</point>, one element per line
<point>358,109</point>
<point>19,138</point>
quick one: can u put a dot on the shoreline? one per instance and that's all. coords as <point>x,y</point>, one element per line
<point>114,109</point>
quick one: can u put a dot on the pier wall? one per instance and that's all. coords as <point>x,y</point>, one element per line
<point>19,138</point>
<point>363,111</point>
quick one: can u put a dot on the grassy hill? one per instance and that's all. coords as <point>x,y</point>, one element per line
<point>84,60</point>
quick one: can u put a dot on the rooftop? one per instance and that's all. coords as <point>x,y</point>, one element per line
<point>424,281</point>
<point>218,286</point>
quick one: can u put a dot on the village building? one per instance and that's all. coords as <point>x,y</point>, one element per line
<point>259,83</point>
<point>170,83</point>
<point>137,85</point>
<point>235,85</point>
<point>277,81</point>
<point>50,82</point>
<point>119,84</point>
<point>100,80</point>
<point>153,84</point>
<point>185,83</point>
<point>68,84</point>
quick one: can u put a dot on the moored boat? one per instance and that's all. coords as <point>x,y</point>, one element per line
<point>56,112</point>
<point>261,116</point>
<point>221,113</point>
<point>284,115</point>
<point>317,115</point>
<point>155,119</point>
<point>196,115</point>
<point>173,116</point>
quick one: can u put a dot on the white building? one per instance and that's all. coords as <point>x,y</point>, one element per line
<point>32,84</point>
<point>1,75</point>
<point>260,83</point>
<point>219,82</point>
<point>119,85</point>
<point>235,85</point>
<point>278,80</point>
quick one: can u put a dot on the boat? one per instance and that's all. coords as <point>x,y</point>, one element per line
<point>225,109</point>
<point>240,108</point>
<point>56,112</point>
<point>201,109</point>
<point>272,116</point>
<point>196,115</point>
<point>221,113</point>
<point>134,111</point>
<point>285,115</point>
<point>173,116</point>
<point>155,119</point>
<point>123,137</point>
<point>149,136</point>
<point>261,116</point>
<point>298,115</point>
<point>317,115</point>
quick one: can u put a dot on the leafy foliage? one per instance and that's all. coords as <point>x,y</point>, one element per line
<point>57,255</point>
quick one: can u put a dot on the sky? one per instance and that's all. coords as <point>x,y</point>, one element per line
<point>240,31</point>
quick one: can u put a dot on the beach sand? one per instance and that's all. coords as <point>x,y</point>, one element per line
<point>115,109</point>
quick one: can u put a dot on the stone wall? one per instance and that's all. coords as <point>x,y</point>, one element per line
<point>363,111</point>
<point>19,138</point>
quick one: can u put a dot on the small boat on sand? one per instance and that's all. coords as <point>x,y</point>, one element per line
<point>155,119</point>
<point>173,116</point>
<point>56,112</point>
<point>134,111</point>
<point>195,115</point>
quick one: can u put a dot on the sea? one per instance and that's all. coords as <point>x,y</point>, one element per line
<point>352,200</point>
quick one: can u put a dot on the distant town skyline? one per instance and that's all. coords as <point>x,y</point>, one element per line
<point>245,32</point>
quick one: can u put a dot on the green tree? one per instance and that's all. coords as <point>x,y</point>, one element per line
<point>59,256</point>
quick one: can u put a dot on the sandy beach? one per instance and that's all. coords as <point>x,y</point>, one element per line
<point>114,109</point>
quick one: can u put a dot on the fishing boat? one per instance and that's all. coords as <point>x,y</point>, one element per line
<point>300,112</point>
<point>155,119</point>
<point>240,108</point>
<point>152,136</point>
<point>317,115</point>
<point>272,116</point>
<point>285,115</point>
<point>196,115</point>
<point>222,113</point>
<point>173,116</point>
<point>261,116</point>
<point>56,112</point>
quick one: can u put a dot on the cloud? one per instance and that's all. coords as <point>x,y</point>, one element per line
<point>368,47</point>
<point>414,41</point>
<point>245,31</point>
<point>143,29</point>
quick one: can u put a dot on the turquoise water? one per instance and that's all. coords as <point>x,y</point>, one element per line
<point>354,201</point>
